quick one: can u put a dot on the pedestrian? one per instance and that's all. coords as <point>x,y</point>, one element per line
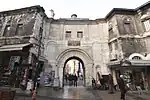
<point>75,80</point>
<point>66,78</point>
<point>121,84</point>
<point>111,86</point>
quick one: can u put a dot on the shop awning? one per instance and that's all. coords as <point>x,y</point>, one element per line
<point>13,47</point>
<point>140,62</point>
<point>127,63</point>
<point>112,63</point>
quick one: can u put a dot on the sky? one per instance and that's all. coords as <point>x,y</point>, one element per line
<point>91,9</point>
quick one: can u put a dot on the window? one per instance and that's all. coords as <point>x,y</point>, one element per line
<point>7,30</point>
<point>127,25</point>
<point>137,58</point>
<point>19,29</point>
<point>79,34</point>
<point>68,34</point>
<point>111,31</point>
<point>40,32</point>
<point>147,25</point>
<point>0,25</point>
<point>116,45</point>
<point>110,47</point>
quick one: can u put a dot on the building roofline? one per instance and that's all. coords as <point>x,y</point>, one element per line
<point>143,5</point>
<point>107,17</point>
<point>38,7</point>
<point>122,10</point>
<point>118,11</point>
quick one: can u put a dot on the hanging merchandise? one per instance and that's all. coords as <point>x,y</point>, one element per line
<point>12,61</point>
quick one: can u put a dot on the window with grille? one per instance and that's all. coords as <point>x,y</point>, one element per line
<point>127,25</point>
<point>79,34</point>
<point>147,25</point>
<point>7,30</point>
<point>68,34</point>
<point>19,29</point>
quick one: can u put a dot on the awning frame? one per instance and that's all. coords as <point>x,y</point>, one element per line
<point>15,47</point>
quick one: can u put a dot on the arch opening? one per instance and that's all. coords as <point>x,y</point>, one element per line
<point>73,67</point>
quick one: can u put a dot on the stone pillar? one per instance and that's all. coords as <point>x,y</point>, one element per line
<point>61,76</point>
<point>88,74</point>
<point>56,70</point>
<point>114,77</point>
<point>95,71</point>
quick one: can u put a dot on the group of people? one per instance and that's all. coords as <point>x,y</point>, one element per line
<point>71,79</point>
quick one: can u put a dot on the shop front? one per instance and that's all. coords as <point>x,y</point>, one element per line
<point>135,72</point>
<point>18,65</point>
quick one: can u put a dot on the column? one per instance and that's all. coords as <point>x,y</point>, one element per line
<point>88,74</point>
<point>61,76</point>
<point>114,77</point>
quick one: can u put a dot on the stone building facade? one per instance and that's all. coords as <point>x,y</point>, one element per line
<point>129,44</point>
<point>117,44</point>
<point>77,38</point>
<point>21,33</point>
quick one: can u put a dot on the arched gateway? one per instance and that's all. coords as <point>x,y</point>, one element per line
<point>77,54</point>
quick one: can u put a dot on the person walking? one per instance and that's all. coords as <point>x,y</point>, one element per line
<point>75,80</point>
<point>121,84</point>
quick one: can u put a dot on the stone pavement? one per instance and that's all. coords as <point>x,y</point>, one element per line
<point>79,93</point>
<point>144,96</point>
<point>69,92</point>
<point>115,96</point>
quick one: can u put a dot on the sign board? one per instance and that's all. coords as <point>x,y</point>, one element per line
<point>73,43</point>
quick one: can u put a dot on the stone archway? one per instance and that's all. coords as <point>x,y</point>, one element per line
<point>79,53</point>
<point>83,67</point>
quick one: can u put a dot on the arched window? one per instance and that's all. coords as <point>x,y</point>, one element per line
<point>127,25</point>
<point>146,21</point>
<point>0,25</point>
<point>137,58</point>
<point>110,30</point>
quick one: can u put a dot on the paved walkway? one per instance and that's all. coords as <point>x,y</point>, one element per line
<point>115,96</point>
<point>144,96</point>
<point>74,93</point>
<point>79,93</point>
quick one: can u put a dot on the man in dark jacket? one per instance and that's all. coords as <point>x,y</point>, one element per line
<point>121,84</point>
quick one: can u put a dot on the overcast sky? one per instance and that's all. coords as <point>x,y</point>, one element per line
<point>83,8</point>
